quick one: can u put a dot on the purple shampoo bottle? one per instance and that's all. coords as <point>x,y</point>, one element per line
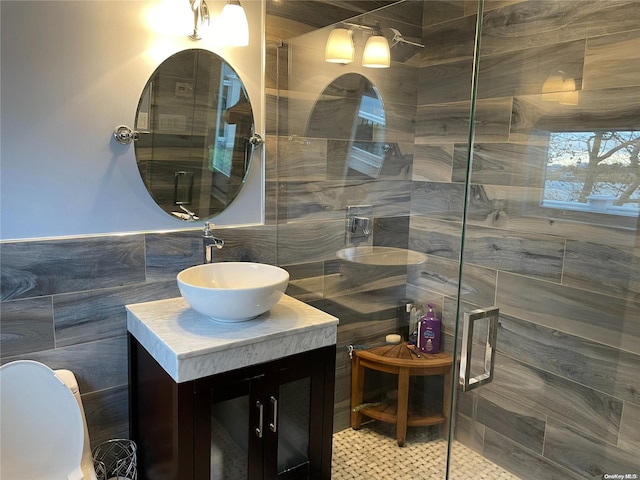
<point>429,332</point>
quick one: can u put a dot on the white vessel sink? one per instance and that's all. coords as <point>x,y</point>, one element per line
<point>232,291</point>
<point>389,256</point>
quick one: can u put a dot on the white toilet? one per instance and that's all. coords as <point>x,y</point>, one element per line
<point>44,432</point>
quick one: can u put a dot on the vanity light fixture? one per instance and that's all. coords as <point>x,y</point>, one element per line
<point>376,51</point>
<point>339,48</point>
<point>201,19</point>
<point>233,26</point>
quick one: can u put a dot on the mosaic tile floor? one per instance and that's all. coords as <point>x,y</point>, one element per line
<point>372,453</point>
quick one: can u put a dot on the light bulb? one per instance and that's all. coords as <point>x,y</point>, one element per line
<point>233,27</point>
<point>376,53</point>
<point>339,47</point>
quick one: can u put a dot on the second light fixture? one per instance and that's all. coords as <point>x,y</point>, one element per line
<point>340,47</point>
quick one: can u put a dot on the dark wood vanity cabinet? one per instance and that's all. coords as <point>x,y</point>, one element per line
<point>268,421</point>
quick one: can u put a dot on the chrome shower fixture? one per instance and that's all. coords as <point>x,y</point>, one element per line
<point>401,49</point>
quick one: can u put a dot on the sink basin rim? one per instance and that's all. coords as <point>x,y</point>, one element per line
<point>381,255</point>
<point>229,301</point>
<point>186,275</point>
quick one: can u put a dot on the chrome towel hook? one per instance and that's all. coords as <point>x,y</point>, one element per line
<point>125,135</point>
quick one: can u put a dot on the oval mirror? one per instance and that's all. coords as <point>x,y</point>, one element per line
<point>350,113</point>
<point>196,128</point>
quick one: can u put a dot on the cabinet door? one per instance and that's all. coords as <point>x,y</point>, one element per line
<point>294,395</point>
<point>229,429</point>
<point>271,421</point>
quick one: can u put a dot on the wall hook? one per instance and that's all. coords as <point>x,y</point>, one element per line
<point>125,135</point>
<point>256,139</point>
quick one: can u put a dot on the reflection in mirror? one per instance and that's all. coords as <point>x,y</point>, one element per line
<point>596,171</point>
<point>350,113</point>
<point>195,123</point>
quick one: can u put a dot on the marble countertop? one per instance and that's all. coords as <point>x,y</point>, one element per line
<point>189,345</point>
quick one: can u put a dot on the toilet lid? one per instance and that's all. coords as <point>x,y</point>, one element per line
<point>42,432</point>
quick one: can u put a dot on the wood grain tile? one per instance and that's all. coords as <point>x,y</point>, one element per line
<point>599,318</point>
<point>26,326</point>
<point>523,425</point>
<point>603,268</point>
<point>320,201</point>
<point>31,269</point>
<point>629,439</point>
<point>437,200</point>
<point>344,278</point>
<point>553,396</point>
<point>432,163</point>
<point>96,365</point>
<point>400,122</point>
<point>536,23</point>
<point>302,159</point>
<point>515,73</point>
<point>617,108</point>
<point>523,72</point>
<point>509,164</point>
<point>313,201</point>
<point>521,461</point>
<point>169,253</point>
<point>533,255</point>
<point>517,208</point>
<point>612,61</point>
<point>583,453</point>
<point>469,433</point>
<point>98,314</point>
<point>449,123</point>
<point>305,280</point>
<point>448,35</point>
<point>391,231</point>
<point>107,414</point>
<point>440,275</point>
<point>309,242</point>
<point>588,363</point>
<point>446,83</point>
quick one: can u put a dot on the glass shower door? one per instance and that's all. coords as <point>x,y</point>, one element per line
<point>550,238</point>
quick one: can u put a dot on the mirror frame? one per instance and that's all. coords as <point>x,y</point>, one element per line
<point>197,134</point>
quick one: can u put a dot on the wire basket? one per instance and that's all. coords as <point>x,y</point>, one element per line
<point>115,459</point>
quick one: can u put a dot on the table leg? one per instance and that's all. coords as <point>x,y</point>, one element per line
<point>403,405</point>
<point>357,387</point>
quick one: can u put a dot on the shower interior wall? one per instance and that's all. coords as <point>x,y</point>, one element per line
<point>565,401</point>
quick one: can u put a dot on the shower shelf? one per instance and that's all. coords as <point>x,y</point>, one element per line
<point>397,360</point>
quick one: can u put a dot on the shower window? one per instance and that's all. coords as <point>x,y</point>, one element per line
<point>597,171</point>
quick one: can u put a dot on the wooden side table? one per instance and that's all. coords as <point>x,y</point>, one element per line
<point>398,360</point>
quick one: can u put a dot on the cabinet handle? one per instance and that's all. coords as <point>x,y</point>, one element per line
<point>259,427</point>
<point>274,404</point>
<point>466,381</point>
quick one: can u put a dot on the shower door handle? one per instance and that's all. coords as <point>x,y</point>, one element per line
<point>466,381</point>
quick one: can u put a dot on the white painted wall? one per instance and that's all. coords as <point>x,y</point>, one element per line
<point>71,72</point>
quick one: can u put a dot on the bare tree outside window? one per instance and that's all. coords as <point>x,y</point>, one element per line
<point>588,167</point>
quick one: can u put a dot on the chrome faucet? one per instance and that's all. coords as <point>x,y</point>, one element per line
<point>209,241</point>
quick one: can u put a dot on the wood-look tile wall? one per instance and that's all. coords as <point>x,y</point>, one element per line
<point>62,303</point>
<point>566,388</point>
<point>564,400</point>
<point>313,193</point>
